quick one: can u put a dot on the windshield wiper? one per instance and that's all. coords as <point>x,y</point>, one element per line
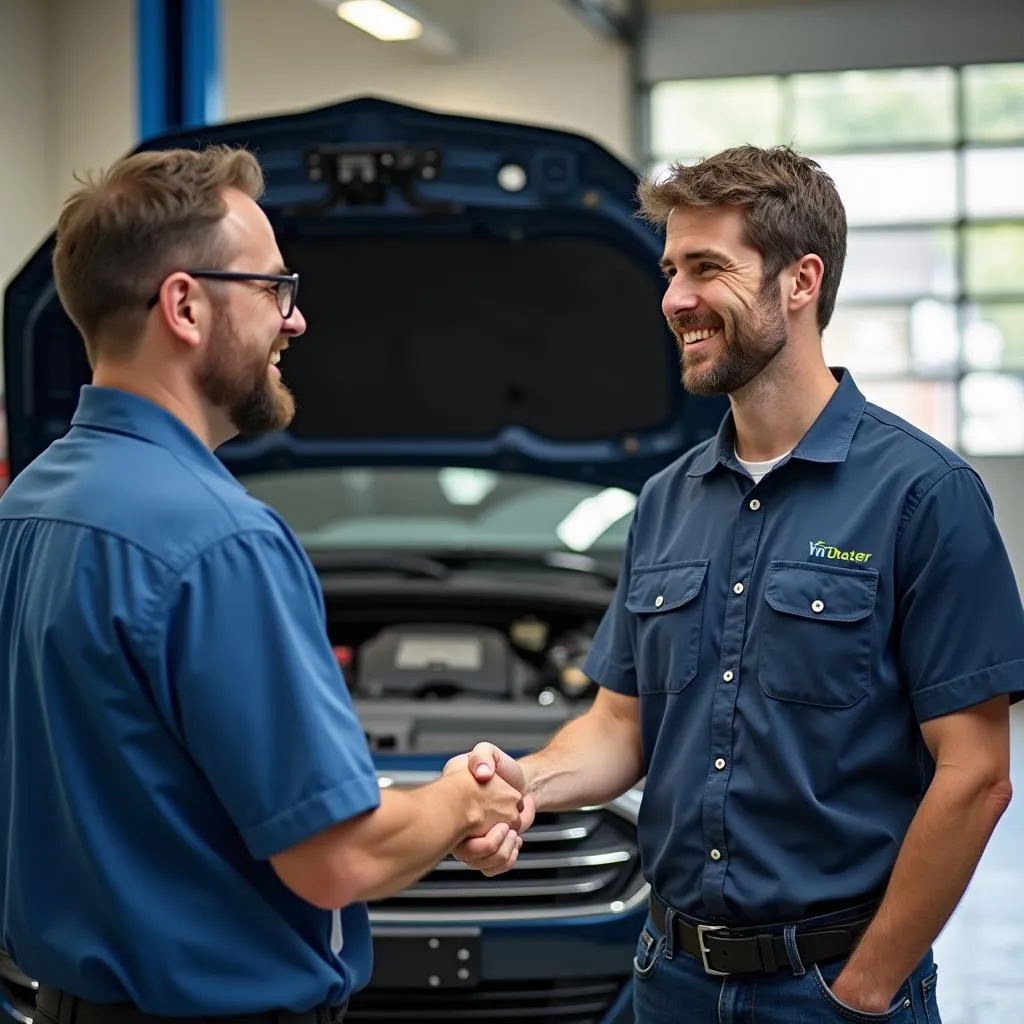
<point>569,561</point>
<point>371,561</point>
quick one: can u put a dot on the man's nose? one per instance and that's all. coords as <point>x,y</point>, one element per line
<point>679,297</point>
<point>295,324</point>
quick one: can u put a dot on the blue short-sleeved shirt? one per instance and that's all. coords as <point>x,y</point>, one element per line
<point>786,641</point>
<point>171,715</point>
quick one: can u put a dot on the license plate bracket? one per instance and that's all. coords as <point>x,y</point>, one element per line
<point>438,958</point>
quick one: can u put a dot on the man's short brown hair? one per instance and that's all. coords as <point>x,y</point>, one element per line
<point>791,208</point>
<point>122,232</point>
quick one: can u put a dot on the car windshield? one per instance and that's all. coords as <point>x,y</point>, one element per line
<point>452,508</point>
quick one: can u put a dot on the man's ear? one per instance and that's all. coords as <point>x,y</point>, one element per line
<point>804,282</point>
<point>184,308</point>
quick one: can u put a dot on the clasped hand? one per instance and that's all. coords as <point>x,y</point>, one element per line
<point>497,850</point>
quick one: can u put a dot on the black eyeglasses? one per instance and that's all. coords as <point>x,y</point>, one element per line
<point>287,286</point>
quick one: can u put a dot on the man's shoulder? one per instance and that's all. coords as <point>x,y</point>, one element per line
<point>141,495</point>
<point>888,439</point>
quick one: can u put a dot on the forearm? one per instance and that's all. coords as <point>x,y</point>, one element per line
<point>404,838</point>
<point>383,851</point>
<point>592,759</point>
<point>941,850</point>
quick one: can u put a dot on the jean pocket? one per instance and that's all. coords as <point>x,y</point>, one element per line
<point>929,998</point>
<point>650,949</point>
<point>667,602</point>
<point>901,1008</point>
<point>817,633</point>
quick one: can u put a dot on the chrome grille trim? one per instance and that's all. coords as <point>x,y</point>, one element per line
<point>505,890</point>
<point>595,873</point>
<point>534,862</point>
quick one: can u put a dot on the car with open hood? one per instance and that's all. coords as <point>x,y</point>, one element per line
<point>485,384</point>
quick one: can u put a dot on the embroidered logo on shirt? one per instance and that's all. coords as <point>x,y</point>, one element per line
<point>822,549</point>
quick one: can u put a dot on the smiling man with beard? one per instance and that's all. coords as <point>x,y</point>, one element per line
<point>192,815</point>
<point>809,656</point>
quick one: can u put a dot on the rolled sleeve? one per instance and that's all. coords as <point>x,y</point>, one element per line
<point>961,625</point>
<point>611,661</point>
<point>258,696</point>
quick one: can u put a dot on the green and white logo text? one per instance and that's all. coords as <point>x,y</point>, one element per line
<point>822,549</point>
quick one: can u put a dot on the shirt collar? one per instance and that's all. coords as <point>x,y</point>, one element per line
<point>121,412</point>
<point>828,439</point>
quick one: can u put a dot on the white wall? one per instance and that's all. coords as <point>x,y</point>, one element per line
<point>93,71</point>
<point>833,37</point>
<point>67,104</point>
<point>26,111</point>
<point>527,60</point>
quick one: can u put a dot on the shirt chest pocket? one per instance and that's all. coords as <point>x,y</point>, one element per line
<point>668,604</point>
<point>817,634</point>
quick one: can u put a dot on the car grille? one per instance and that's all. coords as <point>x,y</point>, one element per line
<point>568,1002</point>
<point>577,863</point>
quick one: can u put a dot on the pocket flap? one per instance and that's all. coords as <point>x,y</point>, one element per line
<point>660,588</point>
<point>831,593</point>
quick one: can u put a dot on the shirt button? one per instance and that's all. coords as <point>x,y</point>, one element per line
<point>659,601</point>
<point>720,763</point>
<point>817,606</point>
<point>716,855</point>
<point>738,588</point>
<point>754,505</point>
<point>727,675</point>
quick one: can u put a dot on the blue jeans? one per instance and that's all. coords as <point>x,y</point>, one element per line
<point>670,987</point>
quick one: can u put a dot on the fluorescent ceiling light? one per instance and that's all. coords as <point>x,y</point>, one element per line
<point>382,20</point>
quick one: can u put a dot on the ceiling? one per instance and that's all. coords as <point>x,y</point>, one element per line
<point>682,6</point>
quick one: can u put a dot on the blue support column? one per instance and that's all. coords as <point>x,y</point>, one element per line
<point>178,61</point>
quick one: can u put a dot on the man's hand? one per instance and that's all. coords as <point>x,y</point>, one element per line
<point>497,850</point>
<point>860,994</point>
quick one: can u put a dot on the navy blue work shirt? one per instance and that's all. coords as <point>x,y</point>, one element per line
<point>171,715</point>
<point>786,641</point>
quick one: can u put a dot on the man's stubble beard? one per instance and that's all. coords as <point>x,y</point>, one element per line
<point>239,382</point>
<point>748,346</point>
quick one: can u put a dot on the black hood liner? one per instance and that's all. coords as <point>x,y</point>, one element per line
<point>459,337</point>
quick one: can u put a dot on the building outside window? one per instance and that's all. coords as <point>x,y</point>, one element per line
<point>930,165</point>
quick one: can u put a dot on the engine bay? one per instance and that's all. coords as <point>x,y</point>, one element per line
<point>439,679</point>
<point>528,660</point>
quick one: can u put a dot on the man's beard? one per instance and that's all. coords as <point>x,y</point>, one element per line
<point>240,383</point>
<point>747,345</point>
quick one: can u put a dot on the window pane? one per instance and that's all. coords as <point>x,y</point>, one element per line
<point>899,264</point>
<point>994,336</point>
<point>869,341</point>
<point>895,188</point>
<point>993,414</point>
<point>699,118</point>
<point>994,102</point>
<point>995,259</point>
<point>871,108</point>
<point>995,182</point>
<point>929,405</point>
<point>891,341</point>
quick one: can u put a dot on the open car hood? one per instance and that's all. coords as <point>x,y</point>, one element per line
<point>478,294</point>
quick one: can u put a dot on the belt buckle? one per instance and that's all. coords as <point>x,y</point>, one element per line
<point>702,930</point>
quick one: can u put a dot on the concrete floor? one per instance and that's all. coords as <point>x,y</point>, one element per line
<point>981,953</point>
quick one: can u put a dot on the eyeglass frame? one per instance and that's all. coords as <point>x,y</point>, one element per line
<point>238,275</point>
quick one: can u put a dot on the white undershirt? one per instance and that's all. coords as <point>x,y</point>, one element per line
<point>758,470</point>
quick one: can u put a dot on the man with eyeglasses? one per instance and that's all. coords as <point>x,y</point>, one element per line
<point>194,817</point>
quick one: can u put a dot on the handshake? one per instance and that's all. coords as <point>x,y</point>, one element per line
<point>500,807</point>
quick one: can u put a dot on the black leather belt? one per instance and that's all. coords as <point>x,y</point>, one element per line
<point>69,1009</point>
<point>723,952</point>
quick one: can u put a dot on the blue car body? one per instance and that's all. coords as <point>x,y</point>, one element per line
<point>483,302</point>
